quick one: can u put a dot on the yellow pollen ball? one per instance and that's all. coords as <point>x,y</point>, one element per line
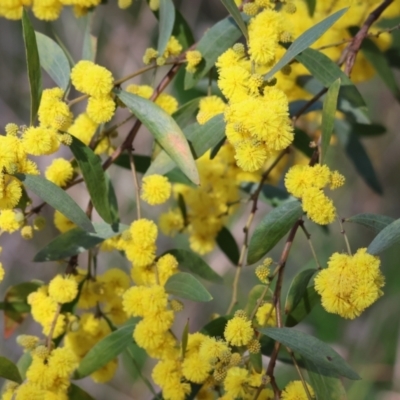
<point>101,109</point>
<point>9,221</point>
<point>156,189</point>
<point>27,232</point>
<point>193,58</point>
<point>59,172</point>
<point>63,290</point>
<point>238,331</point>
<point>167,102</point>
<point>295,391</point>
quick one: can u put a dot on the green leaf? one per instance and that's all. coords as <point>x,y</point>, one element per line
<point>227,243</point>
<point>134,358</point>
<point>112,199</point>
<point>167,19</point>
<point>165,130</point>
<point>297,289</point>
<point>76,241</point>
<point>53,60</point>
<point>311,4</point>
<point>187,286</point>
<point>95,179</point>
<point>312,349</point>
<point>76,393</point>
<point>302,142</point>
<point>33,63</point>
<point>274,195</point>
<point>297,105</point>
<point>216,327</point>
<point>328,117</point>
<point>184,340</point>
<point>217,148</point>
<point>187,112</point>
<point>366,130</point>
<point>195,264</point>
<point>327,72</point>
<point>182,31</point>
<point>89,47</point>
<point>272,228</point>
<point>374,222</point>
<point>24,363</point>
<point>105,350</point>
<point>256,362</point>
<point>253,297</point>
<point>142,163</point>
<point>304,41</point>
<point>310,299</point>
<point>234,11</point>
<point>386,238</point>
<point>357,154</point>
<point>325,386</point>
<point>57,198</point>
<point>9,371</point>
<point>219,38</point>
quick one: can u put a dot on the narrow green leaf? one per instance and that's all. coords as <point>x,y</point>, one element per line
<point>256,362</point>
<point>57,198</point>
<point>366,130</point>
<point>184,340</point>
<point>297,105</point>
<point>312,349</point>
<point>327,72</point>
<point>328,117</point>
<point>234,11</point>
<point>217,148</point>
<point>89,47</point>
<point>274,195</point>
<point>95,179</point>
<point>142,163</point>
<point>76,393</point>
<point>167,19</point>
<point>219,38</point>
<point>112,199</point>
<point>374,222</point>
<point>386,238</point>
<point>195,264</point>
<point>182,31</point>
<point>105,350</point>
<point>311,4</point>
<point>310,299</point>
<point>227,243</point>
<point>8,370</point>
<point>53,60</point>
<point>254,296</point>
<point>325,386</point>
<point>76,241</point>
<point>357,154</point>
<point>177,176</point>
<point>302,142</point>
<point>33,63</point>
<point>182,207</point>
<point>187,286</point>
<point>165,130</point>
<point>24,363</point>
<point>304,41</point>
<point>187,112</point>
<point>297,289</point>
<point>133,359</point>
<point>272,228</point>
<point>216,327</point>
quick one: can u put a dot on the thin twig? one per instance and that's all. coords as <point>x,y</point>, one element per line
<point>308,236</point>
<point>136,184</point>
<point>53,327</point>
<point>343,232</point>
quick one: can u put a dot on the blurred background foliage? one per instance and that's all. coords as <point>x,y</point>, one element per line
<point>371,343</point>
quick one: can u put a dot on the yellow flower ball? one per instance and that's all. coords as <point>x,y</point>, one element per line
<point>295,391</point>
<point>101,109</point>
<point>167,102</point>
<point>10,221</point>
<point>63,290</point>
<point>59,172</point>
<point>156,189</point>
<point>193,58</point>
<point>238,331</point>
<point>62,223</point>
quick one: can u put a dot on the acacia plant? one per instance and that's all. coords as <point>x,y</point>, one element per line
<point>280,91</point>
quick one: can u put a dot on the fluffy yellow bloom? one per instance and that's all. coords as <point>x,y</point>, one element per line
<point>250,9</point>
<point>193,58</point>
<point>195,369</point>
<point>235,382</point>
<point>63,361</point>
<point>144,91</point>
<point>171,222</point>
<point>48,10</point>
<point>298,180</point>
<point>2,272</point>
<point>10,192</point>
<point>139,301</point>
<point>10,221</point>
<point>266,315</point>
<point>173,47</point>
<point>350,284</point>
<point>149,55</point>
<point>53,112</point>
<point>27,342</point>
<point>262,271</point>
<point>167,266</point>
<point>167,102</point>
<point>212,350</point>
<point>318,207</point>
<point>156,189</point>
<point>115,281</point>
<point>62,223</point>
<point>92,79</point>
<point>27,232</point>
<point>40,141</point>
<point>143,230</point>
<point>251,155</point>
<point>101,109</point>
<point>238,331</point>
<point>233,82</point>
<point>336,180</point>
<point>295,391</point>
<point>63,289</point>
<point>60,171</point>
<point>83,128</point>
<point>105,373</point>
<point>209,107</point>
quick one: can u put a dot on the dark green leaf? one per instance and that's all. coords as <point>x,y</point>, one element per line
<point>112,199</point>
<point>386,238</point>
<point>33,63</point>
<point>167,19</point>
<point>274,195</point>
<point>187,112</point>
<point>325,387</point>
<point>357,154</point>
<point>234,11</point>
<point>187,286</point>
<point>23,364</point>
<point>297,289</point>
<point>227,243</point>
<point>182,207</point>
<point>328,117</point>
<point>310,299</point>
<point>177,176</point>
<point>165,130</point>
<point>89,47</point>
<point>76,241</point>
<point>375,222</point>
<point>311,4</point>
<point>142,163</point>
<point>254,296</point>
<point>195,264</point>
<point>223,35</point>
<point>184,340</point>
<point>272,228</point>
<point>304,41</point>
<point>312,349</point>
<point>297,105</point>
<point>95,179</point>
<point>216,327</point>
<point>76,393</point>
<point>53,60</point>
<point>327,72</point>
<point>105,350</point>
<point>365,130</point>
<point>57,198</point>
<point>217,148</point>
<point>302,142</point>
<point>182,31</point>
<point>9,371</point>
<point>134,358</point>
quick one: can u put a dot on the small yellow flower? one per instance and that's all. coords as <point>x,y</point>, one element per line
<point>156,189</point>
<point>101,109</point>
<point>193,58</point>
<point>60,171</point>
<point>63,290</point>
<point>295,391</point>
<point>9,221</point>
<point>62,223</point>
<point>238,331</point>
